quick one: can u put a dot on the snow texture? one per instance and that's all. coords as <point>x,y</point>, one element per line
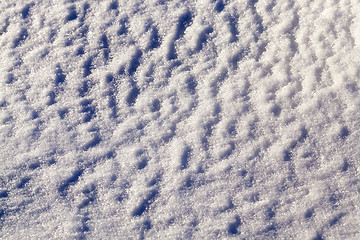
<point>179,119</point>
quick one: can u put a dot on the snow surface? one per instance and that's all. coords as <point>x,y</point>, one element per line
<point>156,119</point>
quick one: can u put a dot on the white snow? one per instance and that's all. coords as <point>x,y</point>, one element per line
<point>177,119</point>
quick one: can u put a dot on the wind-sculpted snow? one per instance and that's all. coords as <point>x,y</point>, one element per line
<point>179,119</point>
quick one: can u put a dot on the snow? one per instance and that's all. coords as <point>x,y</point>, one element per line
<point>176,119</point>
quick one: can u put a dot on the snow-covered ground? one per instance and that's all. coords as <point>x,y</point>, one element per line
<point>179,119</point>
